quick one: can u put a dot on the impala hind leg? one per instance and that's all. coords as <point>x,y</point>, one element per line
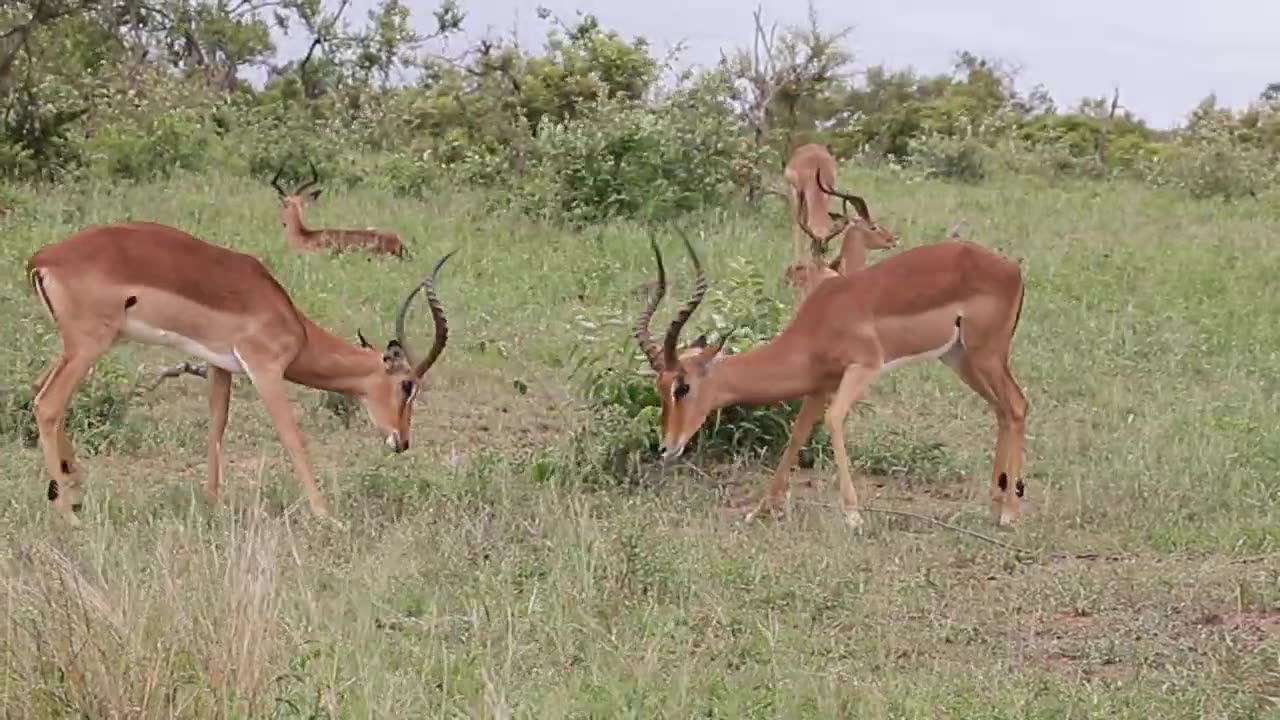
<point>993,381</point>
<point>801,429</point>
<point>219,406</point>
<point>854,384</point>
<point>50,409</point>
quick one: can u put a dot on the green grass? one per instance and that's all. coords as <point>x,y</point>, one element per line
<point>465,586</point>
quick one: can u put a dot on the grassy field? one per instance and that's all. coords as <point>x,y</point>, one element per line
<point>463,585</point>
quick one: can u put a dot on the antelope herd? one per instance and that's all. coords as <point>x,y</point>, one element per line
<point>152,284</point>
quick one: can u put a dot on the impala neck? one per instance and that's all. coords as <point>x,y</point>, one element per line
<point>293,221</point>
<point>327,362</point>
<point>771,373</point>
<point>853,256</point>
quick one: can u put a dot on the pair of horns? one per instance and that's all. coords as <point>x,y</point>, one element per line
<point>315,178</point>
<point>819,243</point>
<point>428,285</point>
<point>665,357</point>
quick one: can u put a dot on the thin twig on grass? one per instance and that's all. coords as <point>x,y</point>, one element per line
<point>934,521</point>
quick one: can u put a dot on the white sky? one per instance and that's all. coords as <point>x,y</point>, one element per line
<point>1164,56</point>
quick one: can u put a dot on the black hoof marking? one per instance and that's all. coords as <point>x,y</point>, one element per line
<point>52,493</point>
<point>1020,488</point>
<point>66,468</point>
<point>1003,482</point>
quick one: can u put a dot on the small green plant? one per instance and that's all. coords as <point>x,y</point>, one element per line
<point>96,415</point>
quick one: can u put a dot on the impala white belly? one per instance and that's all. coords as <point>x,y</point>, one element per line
<point>140,332</point>
<point>933,354</point>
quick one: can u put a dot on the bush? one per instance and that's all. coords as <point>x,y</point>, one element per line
<point>949,158</point>
<point>623,159</point>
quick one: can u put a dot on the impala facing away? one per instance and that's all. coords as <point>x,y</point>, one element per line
<point>809,163</point>
<point>335,239</point>
<point>860,235</point>
<point>157,285</point>
<point>955,301</point>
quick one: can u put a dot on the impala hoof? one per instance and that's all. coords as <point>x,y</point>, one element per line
<point>853,520</point>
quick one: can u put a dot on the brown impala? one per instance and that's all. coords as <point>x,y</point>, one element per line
<point>157,285</point>
<point>955,301</point>
<point>808,169</point>
<point>860,235</point>
<point>336,239</point>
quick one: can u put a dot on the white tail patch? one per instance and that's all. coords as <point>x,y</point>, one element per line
<point>927,355</point>
<point>137,331</point>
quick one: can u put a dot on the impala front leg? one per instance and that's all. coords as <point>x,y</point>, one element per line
<point>271,390</point>
<point>801,429</point>
<point>853,385</point>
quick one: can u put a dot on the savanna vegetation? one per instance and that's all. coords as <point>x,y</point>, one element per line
<point>529,556</point>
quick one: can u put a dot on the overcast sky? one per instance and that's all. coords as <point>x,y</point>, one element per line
<point>1164,56</point>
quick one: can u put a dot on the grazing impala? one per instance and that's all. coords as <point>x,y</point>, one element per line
<point>956,301</point>
<point>335,239</point>
<point>157,285</point>
<point>860,235</point>
<point>809,163</point>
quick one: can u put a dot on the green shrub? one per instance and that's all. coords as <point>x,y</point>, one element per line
<point>949,158</point>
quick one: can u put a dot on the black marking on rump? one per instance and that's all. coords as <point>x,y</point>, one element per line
<point>1003,482</point>
<point>52,493</point>
<point>37,283</point>
<point>130,301</point>
<point>958,318</point>
<point>66,468</point>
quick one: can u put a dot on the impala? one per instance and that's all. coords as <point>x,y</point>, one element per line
<point>156,285</point>
<point>955,301</point>
<point>809,163</point>
<point>860,235</point>
<point>335,239</point>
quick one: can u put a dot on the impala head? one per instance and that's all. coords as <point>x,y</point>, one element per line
<point>873,235</point>
<point>292,203</point>
<point>388,396</point>
<point>685,379</point>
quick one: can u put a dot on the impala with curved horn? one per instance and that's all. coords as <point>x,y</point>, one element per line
<point>807,162</point>
<point>157,285</point>
<point>955,301</point>
<point>860,235</point>
<point>335,239</point>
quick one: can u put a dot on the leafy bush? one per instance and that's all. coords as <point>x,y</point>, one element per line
<point>626,160</point>
<point>962,159</point>
<point>1216,168</point>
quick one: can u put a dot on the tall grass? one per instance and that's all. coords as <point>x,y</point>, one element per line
<point>469,582</point>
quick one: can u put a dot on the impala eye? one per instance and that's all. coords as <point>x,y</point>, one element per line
<point>680,390</point>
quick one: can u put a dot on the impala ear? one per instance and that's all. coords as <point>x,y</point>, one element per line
<point>724,342</point>
<point>314,194</point>
<point>363,343</point>
<point>394,356</point>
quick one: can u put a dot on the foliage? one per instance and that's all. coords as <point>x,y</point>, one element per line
<point>585,128</point>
